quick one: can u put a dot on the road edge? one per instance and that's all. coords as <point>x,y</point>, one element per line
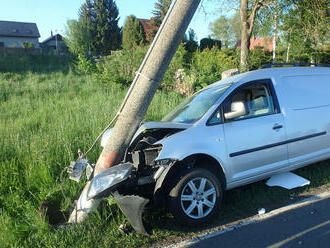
<point>256,218</point>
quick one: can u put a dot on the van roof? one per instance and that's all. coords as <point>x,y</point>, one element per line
<point>274,72</point>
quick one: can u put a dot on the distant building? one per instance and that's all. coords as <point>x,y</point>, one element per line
<point>149,29</point>
<point>266,43</point>
<point>54,43</point>
<point>19,34</point>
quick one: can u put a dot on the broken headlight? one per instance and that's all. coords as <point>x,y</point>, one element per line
<point>108,179</point>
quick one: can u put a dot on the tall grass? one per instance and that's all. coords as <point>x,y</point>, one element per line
<point>44,119</point>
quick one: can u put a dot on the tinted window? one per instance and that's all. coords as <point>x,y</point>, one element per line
<point>257,98</point>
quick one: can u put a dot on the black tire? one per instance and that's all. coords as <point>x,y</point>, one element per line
<point>200,202</point>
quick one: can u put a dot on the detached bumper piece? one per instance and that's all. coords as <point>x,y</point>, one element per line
<point>77,168</point>
<point>132,206</point>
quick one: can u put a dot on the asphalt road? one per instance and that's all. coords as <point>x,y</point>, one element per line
<point>307,226</point>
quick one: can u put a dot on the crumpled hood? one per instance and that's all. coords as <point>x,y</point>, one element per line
<point>159,125</point>
<point>151,125</point>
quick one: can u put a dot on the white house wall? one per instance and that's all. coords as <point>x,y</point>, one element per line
<point>17,41</point>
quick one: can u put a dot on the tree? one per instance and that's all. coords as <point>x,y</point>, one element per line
<point>248,16</point>
<point>235,23</point>
<point>228,30</point>
<point>107,33</point>
<point>161,8</point>
<point>159,13</point>
<point>190,41</point>
<point>209,43</point>
<point>101,19</point>
<point>221,30</point>
<point>87,15</point>
<point>248,10</point>
<point>86,12</point>
<point>133,33</point>
<point>306,27</point>
<point>78,36</point>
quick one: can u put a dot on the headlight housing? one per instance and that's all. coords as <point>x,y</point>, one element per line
<point>109,178</point>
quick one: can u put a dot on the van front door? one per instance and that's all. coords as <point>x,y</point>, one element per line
<point>255,140</point>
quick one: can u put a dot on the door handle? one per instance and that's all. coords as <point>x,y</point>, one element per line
<point>277,126</point>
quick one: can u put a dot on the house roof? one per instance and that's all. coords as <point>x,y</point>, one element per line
<point>147,26</point>
<point>19,29</point>
<point>266,43</point>
<point>57,37</point>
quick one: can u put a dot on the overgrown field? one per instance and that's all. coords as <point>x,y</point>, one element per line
<point>45,116</point>
<point>44,119</point>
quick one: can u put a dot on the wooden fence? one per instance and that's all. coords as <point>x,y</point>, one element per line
<point>19,51</point>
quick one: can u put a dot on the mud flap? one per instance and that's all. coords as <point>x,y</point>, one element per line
<point>132,206</point>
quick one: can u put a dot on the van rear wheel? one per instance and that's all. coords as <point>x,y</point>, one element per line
<point>196,197</point>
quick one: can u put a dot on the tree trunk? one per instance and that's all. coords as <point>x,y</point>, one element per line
<point>245,39</point>
<point>147,82</point>
<point>247,23</point>
<point>288,53</point>
<point>275,30</point>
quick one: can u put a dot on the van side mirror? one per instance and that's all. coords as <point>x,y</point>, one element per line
<point>237,110</point>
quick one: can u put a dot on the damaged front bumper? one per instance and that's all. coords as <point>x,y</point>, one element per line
<point>108,183</point>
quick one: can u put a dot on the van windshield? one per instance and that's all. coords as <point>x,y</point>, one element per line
<point>194,107</point>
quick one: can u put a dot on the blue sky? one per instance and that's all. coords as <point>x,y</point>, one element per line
<point>53,14</point>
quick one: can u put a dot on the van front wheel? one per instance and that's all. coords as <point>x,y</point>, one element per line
<point>196,197</point>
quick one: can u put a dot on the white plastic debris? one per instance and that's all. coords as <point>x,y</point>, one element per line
<point>261,211</point>
<point>287,180</point>
<point>105,137</point>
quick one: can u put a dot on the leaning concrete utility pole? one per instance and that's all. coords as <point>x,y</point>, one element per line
<point>147,79</point>
<point>139,97</point>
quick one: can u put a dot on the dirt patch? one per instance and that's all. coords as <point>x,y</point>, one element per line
<point>52,213</point>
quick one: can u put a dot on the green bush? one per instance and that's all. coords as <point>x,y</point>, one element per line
<point>209,43</point>
<point>179,61</point>
<point>121,66</point>
<point>210,63</point>
<point>85,65</point>
<point>259,57</point>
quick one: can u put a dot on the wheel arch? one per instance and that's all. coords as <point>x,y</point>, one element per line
<point>199,160</point>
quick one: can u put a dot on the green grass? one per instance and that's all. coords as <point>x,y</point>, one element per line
<point>45,116</point>
<point>44,119</point>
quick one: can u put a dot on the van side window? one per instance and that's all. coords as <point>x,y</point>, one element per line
<point>257,99</point>
<point>216,118</point>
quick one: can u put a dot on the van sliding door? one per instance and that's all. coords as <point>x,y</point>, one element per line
<point>255,141</point>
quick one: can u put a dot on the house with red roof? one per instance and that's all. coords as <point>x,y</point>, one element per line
<point>149,28</point>
<point>266,43</point>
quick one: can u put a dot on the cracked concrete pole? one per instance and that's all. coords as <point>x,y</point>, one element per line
<point>147,81</point>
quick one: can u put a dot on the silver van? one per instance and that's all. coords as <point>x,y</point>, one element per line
<point>237,131</point>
